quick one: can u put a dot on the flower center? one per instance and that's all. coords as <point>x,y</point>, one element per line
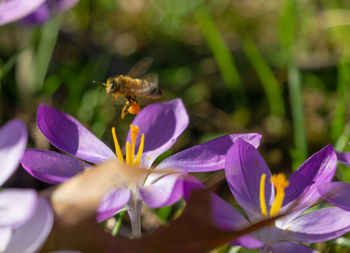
<point>280,183</point>
<point>130,147</point>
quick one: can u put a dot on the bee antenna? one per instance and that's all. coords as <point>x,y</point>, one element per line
<point>98,82</point>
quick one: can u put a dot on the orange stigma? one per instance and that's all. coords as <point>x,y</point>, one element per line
<point>280,183</point>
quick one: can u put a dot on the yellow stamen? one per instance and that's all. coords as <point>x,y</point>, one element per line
<point>128,153</point>
<point>140,151</point>
<point>118,151</point>
<point>280,182</point>
<point>133,135</point>
<point>130,147</point>
<point>262,195</point>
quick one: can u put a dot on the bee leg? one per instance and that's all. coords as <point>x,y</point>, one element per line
<point>131,106</point>
<point>131,99</point>
<point>125,109</point>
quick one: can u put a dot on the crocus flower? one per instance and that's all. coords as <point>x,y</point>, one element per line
<point>25,220</point>
<point>343,158</point>
<point>336,193</point>
<point>33,11</point>
<point>248,177</point>
<point>160,124</point>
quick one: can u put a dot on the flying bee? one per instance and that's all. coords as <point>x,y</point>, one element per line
<point>133,85</point>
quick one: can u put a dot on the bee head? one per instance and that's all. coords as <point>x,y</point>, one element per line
<point>110,85</point>
<point>97,82</point>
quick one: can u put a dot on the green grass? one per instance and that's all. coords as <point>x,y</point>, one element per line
<point>218,47</point>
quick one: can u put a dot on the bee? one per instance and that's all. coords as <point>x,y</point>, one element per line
<point>133,85</point>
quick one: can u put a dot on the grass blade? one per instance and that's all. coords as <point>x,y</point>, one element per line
<point>266,76</point>
<point>217,45</point>
<point>299,153</point>
<point>44,51</point>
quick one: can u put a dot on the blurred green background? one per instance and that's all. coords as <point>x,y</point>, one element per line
<point>279,68</point>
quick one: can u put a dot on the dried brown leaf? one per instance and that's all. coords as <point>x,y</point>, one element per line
<point>75,203</point>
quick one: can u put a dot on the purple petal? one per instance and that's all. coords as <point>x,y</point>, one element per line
<point>247,241</point>
<point>208,156</point>
<point>112,202</point>
<point>289,247</point>
<point>69,135</point>
<point>14,10</point>
<point>316,170</point>
<point>48,9</point>
<point>321,225</point>
<point>13,140</point>
<point>162,124</point>
<point>39,16</point>
<point>244,167</point>
<point>337,193</point>
<point>16,206</point>
<point>30,236</point>
<point>50,166</point>
<point>343,157</point>
<point>162,191</point>
<point>5,236</point>
<point>225,216</point>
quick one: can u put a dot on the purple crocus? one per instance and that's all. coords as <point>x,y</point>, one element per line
<point>248,175</point>
<point>338,193</point>
<point>343,158</point>
<point>33,11</point>
<point>25,220</point>
<point>160,124</point>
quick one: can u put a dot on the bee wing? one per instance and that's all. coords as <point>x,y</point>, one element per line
<point>152,79</point>
<point>140,68</point>
<point>149,87</point>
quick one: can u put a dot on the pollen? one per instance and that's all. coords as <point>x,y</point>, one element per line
<point>279,181</point>
<point>148,188</point>
<point>87,170</point>
<point>134,108</point>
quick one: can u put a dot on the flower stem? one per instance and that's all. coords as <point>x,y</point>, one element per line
<point>134,207</point>
<point>118,223</point>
